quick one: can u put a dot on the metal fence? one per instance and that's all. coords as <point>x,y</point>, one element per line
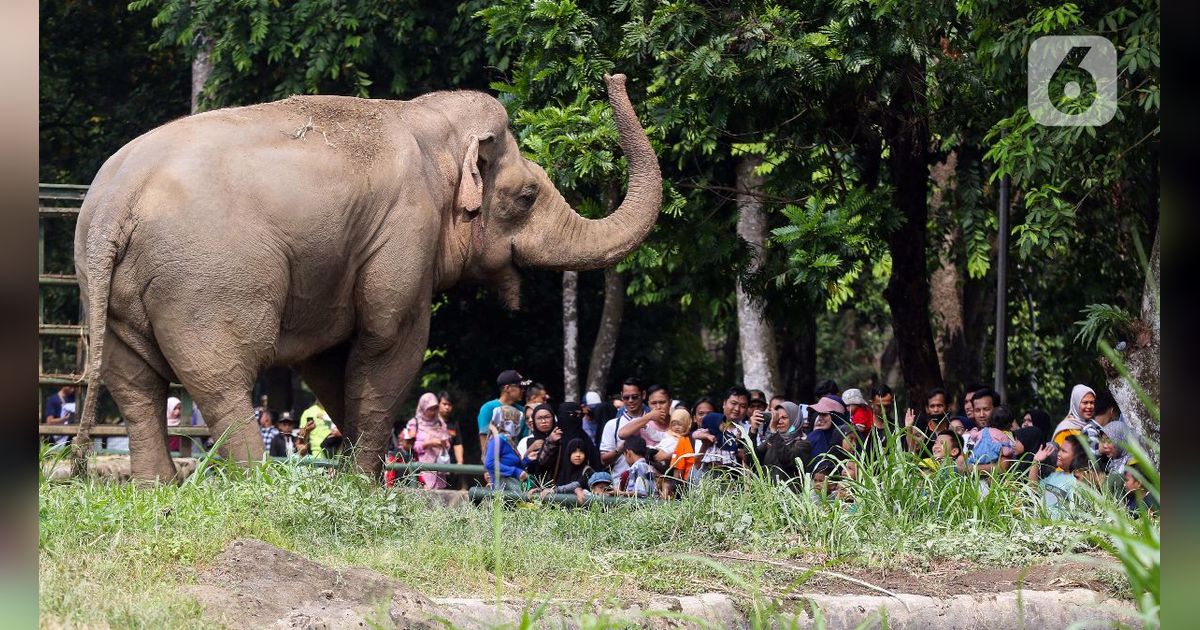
<point>61,202</point>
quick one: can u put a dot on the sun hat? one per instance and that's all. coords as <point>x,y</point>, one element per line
<point>828,405</point>
<point>853,397</point>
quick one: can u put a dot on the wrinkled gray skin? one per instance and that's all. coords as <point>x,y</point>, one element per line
<point>222,243</point>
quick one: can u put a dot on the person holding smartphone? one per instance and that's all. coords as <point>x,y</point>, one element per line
<point>60,409</point>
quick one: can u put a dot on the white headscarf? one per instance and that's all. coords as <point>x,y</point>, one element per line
<point>1074,420</point>
<point>172,403</point>
<point>1077,394</point>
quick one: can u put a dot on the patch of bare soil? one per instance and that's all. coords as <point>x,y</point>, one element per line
<point>945,578</point>
<point>114,468</point>
<point>252,584</point>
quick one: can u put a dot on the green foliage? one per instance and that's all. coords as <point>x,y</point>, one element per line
<point>269,50</point>
<point>1100,321</point>
<point>99,86</point>
<point>829,241</point>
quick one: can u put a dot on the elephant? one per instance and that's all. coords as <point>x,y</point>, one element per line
<point>313,232</point>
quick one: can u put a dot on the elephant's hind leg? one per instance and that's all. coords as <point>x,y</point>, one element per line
<point>141,393</point>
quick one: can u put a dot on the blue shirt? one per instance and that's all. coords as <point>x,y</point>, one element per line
<point>1057,491</point>
<point>510,461</point>
<point>495,410</point>
<point>54,407</point>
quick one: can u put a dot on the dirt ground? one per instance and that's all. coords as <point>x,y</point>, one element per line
<point>949,578</point>
<point>252,584</point>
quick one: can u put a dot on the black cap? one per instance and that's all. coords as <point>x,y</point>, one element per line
<point>512,377</point>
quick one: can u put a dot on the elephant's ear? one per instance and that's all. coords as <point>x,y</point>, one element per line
<point>470,184</point>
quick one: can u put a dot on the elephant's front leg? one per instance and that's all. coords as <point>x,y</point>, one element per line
<point>378,375</point>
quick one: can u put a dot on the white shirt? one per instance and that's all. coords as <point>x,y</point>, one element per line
<point>609,441</point>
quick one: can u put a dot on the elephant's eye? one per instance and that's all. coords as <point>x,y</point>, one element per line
<point>527,196</point>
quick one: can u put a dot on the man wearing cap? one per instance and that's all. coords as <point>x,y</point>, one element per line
<point>284,442</point>
<point>512,390</point>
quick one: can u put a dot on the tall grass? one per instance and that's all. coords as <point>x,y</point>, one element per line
<point>114,554</point>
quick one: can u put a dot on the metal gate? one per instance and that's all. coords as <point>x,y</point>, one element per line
<point>61,202</point>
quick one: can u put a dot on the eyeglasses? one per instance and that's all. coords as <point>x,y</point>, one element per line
<point>631,397</point>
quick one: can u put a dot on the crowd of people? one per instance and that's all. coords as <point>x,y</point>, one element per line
<point>645,443</point>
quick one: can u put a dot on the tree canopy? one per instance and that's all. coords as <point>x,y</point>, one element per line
<point>880,130</point>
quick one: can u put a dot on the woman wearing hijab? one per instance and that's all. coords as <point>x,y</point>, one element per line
<point>824,437</point>
<point>542,462</point>
<point>432,443</point>
<point>570,421</point>
<point>174,414</point>
<point>1083,407</point>
<point>784,443</point>
<point>1040,419</point>
<point>1031,438</point>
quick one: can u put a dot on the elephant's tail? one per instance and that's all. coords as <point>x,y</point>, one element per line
<point>106,239</point>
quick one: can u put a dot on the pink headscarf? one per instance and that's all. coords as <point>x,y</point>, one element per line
<point>427,430</point>
<point>427,400</point>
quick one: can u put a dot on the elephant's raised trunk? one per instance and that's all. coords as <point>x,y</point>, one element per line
<point>566,240</point>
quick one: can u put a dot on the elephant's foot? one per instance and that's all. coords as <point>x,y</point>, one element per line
<point>148,476</point>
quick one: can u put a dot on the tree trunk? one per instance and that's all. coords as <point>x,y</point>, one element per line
<point>606,337</point>
<point>760,363</point>
<point>570,296</point>
<point>958,302</point>
<point>1141,359</point>
<point>201,69</point>
<point>798,363</point>
<point>907,292</point>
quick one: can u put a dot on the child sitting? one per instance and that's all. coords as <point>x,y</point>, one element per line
<point>991,443</point>
<point>946,451</point>
<point>1136,497</point>
<point>676,447</point>
<point>638,481</point>
<point>501,456</point>
<point>576,477</point>
<point>600,483</point>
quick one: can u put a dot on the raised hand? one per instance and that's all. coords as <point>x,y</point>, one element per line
<point>910,418</point>
<point>1044,452</point>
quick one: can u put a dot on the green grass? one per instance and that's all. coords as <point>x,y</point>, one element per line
<point>112,554</point>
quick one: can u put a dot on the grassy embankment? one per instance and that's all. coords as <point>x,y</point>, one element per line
<point>111,554</point>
